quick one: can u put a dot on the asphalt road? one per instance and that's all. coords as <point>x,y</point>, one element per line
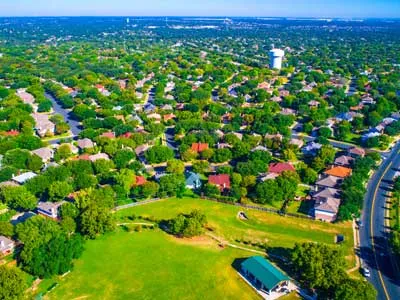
<point>336,144</point>
<point>73,124</point>
<point>374,249</point>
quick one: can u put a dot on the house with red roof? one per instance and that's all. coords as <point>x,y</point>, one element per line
<point>222,181</point>
<point>199,147</point>
<point>279,167</point>
<point>140,180</point>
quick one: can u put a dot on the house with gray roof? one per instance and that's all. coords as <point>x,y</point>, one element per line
<point>6,245</point>
<point>85,143</point>
<point>24,177</point>
<point>49,209</point>
<point>46,154</point>
<point>193,180</point>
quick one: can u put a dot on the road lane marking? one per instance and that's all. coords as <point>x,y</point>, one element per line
<point>372,229</point>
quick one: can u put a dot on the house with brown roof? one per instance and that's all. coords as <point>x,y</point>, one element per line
<point>356,152</point>
<point>222,181</point>
<point>339,171</point>
<point>168,117</point>
<point>279,167</point>
<point>199,147</point>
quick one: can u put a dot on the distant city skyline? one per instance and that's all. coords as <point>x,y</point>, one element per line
<point>256,8</point>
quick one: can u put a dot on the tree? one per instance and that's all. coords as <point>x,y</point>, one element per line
<point>18,197</point>
<point>287,183</point>
<point>172,185</point>
<point>188,225</point>
<point>6,229</point>
<point>175,166</point>
<point>34,163</point>
<point>318,265</point>
<point>123,157</point>
<point>150,189</point>
<point>63,152</point>
<point>12,283</point>
<point>352,289</point>
<point>103,166</point>
<point>211,190</point>
<point>126,179</point>
<point>159,154</point>
<point>58,190</point>
<point>222,155</point>
<point>95,217</point>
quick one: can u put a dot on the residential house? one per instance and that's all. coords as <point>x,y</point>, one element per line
<point>49,209</point>
<point>339,171</point>
<point>139,150</point>
<point>155,116</point>
<point>24,177</point>
<point>168,117</point>
<point>85,144</point>
<point>296,142</point>
<point>109,135</point>
<point>311,149</point>
<point>26,97</point>
<point>193,180</point>
<point>326,209</point>
<point>98,156</point>
<point>43,125</point>
<point>344,160</point>
<point>222,181</point>
<point>279,167</point>
<point>140,180</point>
<point>199,147</point>
<point>327,192</point>
<point>46,154</point>
<point>356,152</point>
<point>6,245</point>
<point>263,275</point>
<point>328,182</point>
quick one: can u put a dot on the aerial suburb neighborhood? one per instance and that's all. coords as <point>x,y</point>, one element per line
<point>253,156</point>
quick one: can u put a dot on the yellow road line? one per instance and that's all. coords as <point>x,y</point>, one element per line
<point>372,229</point>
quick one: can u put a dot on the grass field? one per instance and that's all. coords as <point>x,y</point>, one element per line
<point>153,265</point>
<point>274,230</point>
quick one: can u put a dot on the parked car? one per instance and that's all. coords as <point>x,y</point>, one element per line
<point>366,272</point>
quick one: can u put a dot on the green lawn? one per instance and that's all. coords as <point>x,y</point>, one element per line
<point>274,230</point>
<point>153,265</point>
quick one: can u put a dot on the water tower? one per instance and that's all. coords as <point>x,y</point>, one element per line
<point>275,58</point>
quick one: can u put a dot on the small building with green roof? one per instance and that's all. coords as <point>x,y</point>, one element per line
<point>264,275</point>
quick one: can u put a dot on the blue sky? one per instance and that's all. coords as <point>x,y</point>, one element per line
<point>283,8</point>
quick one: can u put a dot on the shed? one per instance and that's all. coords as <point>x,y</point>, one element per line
<point>264,275</point>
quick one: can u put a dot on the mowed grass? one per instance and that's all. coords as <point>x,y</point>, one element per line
<point>274,230</point>
<point>153,265</point>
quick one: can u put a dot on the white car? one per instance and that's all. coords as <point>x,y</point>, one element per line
<point>366,272</point>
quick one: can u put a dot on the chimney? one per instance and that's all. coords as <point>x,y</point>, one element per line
<point>2,245</point>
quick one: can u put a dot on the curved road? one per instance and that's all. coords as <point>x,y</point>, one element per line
<point>374,249</point>
<point>73,124</point>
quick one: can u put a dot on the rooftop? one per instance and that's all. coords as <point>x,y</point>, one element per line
<point>263,270</point>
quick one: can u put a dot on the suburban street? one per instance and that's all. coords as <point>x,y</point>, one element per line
<point>374,249</point>
<point>73,124</point>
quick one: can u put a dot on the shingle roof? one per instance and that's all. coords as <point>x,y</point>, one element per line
<point>280,167</point>
<point>263,270</point>
<point>339,171</point>
<point>199,147</point>
<point>222,181</point>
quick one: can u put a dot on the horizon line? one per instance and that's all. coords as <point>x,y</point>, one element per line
<point>194,16</point>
